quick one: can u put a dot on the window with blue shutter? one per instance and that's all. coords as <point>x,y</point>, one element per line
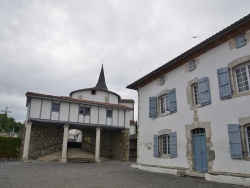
<point>156,146</point>
<point>152,107</point>
<point>172,101</point>
<point>173,145</point>
<point>204,91</point>
<point>191,65</point>
<point>235,141</point>
<point>162,80</point>
<point>240,41</point>
<point>224,83</point>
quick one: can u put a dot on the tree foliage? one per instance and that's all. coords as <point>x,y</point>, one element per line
<point>9,124</point>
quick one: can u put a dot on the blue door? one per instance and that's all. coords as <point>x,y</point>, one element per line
<point>200,150</point>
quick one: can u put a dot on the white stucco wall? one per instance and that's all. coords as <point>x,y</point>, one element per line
<point>219,113</point>
<point>100,96</point>
<point>131,105</point>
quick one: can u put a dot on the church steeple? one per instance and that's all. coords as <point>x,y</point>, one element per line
<point>101,84</point>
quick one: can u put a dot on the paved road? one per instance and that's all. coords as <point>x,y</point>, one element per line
<point>14,174</point>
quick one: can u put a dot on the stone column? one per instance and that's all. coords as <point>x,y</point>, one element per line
<point>65,143</point>
<point>26,142</point>
<point>97,145</point>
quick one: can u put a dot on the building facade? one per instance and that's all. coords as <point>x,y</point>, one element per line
<point>98,113</point>
<point>193,115</point>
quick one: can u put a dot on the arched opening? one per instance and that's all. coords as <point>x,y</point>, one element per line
<point>74,138</point>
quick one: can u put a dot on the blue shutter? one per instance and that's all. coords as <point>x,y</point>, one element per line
<point>156,146</point>
<point>152,107</point>
<point>172,100</point>
<point>235,141</point>
<point>191,65</point>
<point>173,144</point>
<point>224,83</point>
<point>204,91</point>
<point>240,41</point>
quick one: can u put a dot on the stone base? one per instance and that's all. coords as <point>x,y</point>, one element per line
<point>229,179</point>
<point>221,177</point>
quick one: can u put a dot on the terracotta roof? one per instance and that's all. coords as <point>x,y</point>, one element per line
<point>64,98</point>
<point>127,100</point>
<point>232,31</point>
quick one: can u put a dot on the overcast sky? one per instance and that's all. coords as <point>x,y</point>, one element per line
<point>55,47</point>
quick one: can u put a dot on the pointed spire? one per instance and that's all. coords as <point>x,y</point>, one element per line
<point>101,84</point>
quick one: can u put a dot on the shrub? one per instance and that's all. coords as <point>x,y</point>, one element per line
<point>9,147</point>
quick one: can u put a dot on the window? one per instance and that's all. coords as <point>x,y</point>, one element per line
<point>162,80</point>
<point>195,91</point>
<point>243,77</point>
<point>248,139</point>
<point>240,41</point>
<point>198,92</point>
<point>87,111</point>
<point>109,113</point>
<point>93,92</point>
<point>84,111</point>
<point>192,65</point>
<point>81,110</point>
<point>55,106</point>
<point>165,144</point>
<point>164,104</point>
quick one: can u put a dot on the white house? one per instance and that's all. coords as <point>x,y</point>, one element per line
<point>102,116</point>
<point>193,115</point>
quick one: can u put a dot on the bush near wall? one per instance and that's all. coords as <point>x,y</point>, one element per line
<point>9,147</point>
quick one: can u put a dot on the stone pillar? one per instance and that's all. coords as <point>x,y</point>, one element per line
<point>97,145</point>
<point>26,142</point>
<point>65,143</point>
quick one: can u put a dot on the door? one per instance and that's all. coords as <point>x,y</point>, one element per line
<point>200,150</point>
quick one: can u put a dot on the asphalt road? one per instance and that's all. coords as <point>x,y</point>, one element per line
<point>36,174</point>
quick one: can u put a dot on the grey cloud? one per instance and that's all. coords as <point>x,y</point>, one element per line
<point>54,47</point>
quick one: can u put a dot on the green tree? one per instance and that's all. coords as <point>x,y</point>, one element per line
<point>9,123</point>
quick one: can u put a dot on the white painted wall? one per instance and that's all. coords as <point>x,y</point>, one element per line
<point>35,108</point>
<point>46,109</point>
<point>100,96</point>
<point>219,113</point>
<point>131,105</point>
<point>69,112</point>
<point>64,111</point>
<point>94,115</point>
<point>73,116</point>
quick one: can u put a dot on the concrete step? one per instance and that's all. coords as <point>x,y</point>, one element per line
<point>73,155</point>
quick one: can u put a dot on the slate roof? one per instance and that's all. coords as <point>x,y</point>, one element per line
<point>101,84</point>
<point>69,99</point>
<point>224,35</point>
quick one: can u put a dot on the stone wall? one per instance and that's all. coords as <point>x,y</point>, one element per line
<point>120,145</point>
<point>113,144</point>
<point>105,142</point>
<point>44,140</point>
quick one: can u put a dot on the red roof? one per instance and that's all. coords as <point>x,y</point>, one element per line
<point>39,95</point>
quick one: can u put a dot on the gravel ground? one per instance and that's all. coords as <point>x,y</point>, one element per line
<point>36,174</point>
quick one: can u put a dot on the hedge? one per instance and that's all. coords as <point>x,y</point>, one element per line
<point>9,147</point>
